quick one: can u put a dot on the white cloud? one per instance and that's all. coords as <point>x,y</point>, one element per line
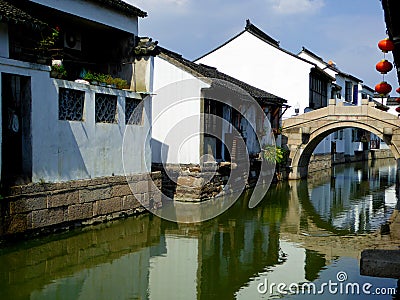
<point>291,7</point>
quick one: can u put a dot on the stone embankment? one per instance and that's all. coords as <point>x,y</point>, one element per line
<point>43,206</point>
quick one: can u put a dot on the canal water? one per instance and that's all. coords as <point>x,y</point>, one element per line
<point>302,233</point>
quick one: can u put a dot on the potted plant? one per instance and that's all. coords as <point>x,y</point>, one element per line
<point>58,71</point>
<point>121,83</point>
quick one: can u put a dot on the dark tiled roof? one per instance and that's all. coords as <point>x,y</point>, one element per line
<point>261,34</point>
<point>211,72</point>
<point>332,67</point>
<point>14,15</point>
<point>123,7</point>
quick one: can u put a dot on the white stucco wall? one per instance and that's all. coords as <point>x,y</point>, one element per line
<point>177,96</point>
<point>4,46</point>
<point>267,67</point>
<point>93,12</point>
<point>68,150</point>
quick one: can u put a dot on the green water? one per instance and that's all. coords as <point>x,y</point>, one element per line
<point>304,231</point>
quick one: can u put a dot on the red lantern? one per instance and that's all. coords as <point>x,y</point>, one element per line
<point>384,66</point>
<point>398,100</point>
<point>398,90</point>
<point>398,109</point>
<point>383,88</point>
<point>386,45</point>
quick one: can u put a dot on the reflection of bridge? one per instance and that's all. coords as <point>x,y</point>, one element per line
<point>319,235</point>
<point>306,131</point>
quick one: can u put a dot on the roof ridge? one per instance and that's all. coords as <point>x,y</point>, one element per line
<point>123,7</point>
<point>261,34</point>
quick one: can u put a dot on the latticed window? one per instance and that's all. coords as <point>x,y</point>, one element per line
<point>106,108</point>
<point>70,104</point>
<point>318,91</point>
<point>133,111</point>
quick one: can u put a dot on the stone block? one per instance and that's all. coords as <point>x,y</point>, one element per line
<point>18,223</point>
<point>107,206</point>
<point>130,202</point>
<point>380,263</point>
<point>140,187</point>
<point>121,190</point>
<point>190,182</point>
<point>62,198</point>
<point>28,204</point>
<point>47,217</point>
<point>92,194</point>
<point>80,211</point>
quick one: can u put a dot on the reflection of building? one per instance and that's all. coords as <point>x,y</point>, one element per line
<point>222,253</point>
<point>108,262</point>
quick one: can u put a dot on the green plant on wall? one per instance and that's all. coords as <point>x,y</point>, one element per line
<point>105,78</point>
<point>275,154</point>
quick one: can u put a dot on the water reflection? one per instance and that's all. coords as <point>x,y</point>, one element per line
<point>293,236</point>
<point>356,198</point>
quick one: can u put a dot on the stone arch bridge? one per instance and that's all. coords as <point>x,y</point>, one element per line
<point>306,131</point>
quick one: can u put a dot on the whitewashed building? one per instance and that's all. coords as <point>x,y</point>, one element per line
<point>271,68</point>
<point>305,80</point>
<point>198,110</point>
<point>56,129</point>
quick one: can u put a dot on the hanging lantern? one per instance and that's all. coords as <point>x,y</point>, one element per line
<point>386,45</point>
<point>384,66</point>
<point>383,88</point>
<point>398,109</point>
<point>398,90</point>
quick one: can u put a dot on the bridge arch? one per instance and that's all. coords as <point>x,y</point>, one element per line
<point>306,131</point>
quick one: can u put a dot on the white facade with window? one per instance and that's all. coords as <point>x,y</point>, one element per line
<point>58,130</point>
<point>255,58</point>
<point>349,90</point>
<point>75,146</point>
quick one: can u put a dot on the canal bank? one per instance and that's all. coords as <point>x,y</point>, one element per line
<point>46,207</point>
<point>303,231</point>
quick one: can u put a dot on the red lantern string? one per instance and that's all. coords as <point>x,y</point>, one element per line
<point>384,66</point>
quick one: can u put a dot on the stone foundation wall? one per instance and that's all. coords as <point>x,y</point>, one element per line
<point>323,161</point>
<point>39,206</point>
<point>319,162</point>
<point>380,154</point>
<point>192,183</point>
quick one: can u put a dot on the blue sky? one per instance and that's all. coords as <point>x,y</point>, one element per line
<point>345,31</point>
